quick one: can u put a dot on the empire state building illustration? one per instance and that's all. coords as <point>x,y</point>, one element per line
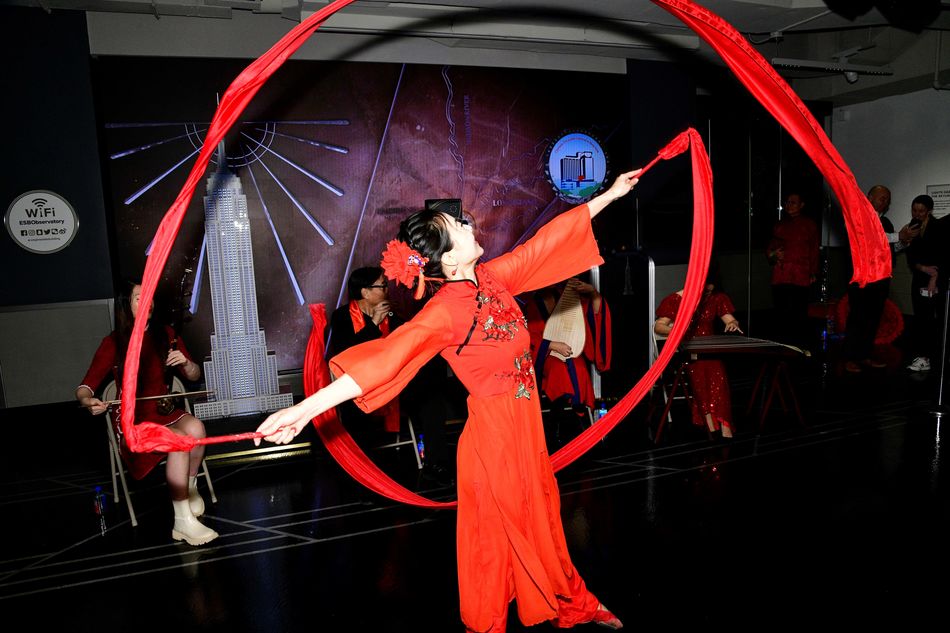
<point>241,373</point>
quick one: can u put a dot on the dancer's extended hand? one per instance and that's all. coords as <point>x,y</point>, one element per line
<point>284,425</point>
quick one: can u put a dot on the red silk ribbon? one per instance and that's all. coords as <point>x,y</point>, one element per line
<point>868,243</point>
<point>346,452</point>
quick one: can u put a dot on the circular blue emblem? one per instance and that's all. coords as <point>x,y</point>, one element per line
<point>576,166</point>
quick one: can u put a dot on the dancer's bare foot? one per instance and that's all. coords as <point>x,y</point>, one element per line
<point>726,432</point>
<point>603,617</point>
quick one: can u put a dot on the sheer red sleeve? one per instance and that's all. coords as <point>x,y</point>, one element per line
<point>563,247</point>
<point>384,366</point>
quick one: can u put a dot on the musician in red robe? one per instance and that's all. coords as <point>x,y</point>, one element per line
<point>162,350</point>
<point>567,382</point>
<point>793,254</point>
<point>510,540</point>
<point>711,403</point>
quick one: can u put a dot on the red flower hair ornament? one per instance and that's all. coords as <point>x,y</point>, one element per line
<point>405,265</point>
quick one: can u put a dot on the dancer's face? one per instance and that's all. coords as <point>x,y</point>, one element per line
<point>465,248</point>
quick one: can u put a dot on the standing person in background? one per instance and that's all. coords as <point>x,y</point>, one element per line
<point>566,382</point>
<point>865,305</point>
<point>793,254</point>
<point>926,257</point>
<point>162,349</point>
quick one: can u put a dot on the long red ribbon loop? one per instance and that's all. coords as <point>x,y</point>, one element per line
<point>698,267</point>
<point>868,243</point>
<point>341,445</point>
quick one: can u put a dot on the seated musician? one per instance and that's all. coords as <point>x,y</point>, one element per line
<point>162,351</point>
<point>567,383</point>
<point>368,316</point>
<point>711,403</point>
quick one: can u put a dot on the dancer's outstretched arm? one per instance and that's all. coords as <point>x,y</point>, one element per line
<point>284,425</point>
<point>621,187</point>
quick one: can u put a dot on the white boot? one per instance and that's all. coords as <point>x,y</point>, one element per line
<point>189,529</point>
<point>194,498</point>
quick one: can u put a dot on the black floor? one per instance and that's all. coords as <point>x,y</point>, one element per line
<point>843,524</point>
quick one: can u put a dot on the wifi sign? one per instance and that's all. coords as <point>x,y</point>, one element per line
<point>40,209</point>
<point>41,222</point>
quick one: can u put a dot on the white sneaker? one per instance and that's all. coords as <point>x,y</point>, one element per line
<point>920,364</point>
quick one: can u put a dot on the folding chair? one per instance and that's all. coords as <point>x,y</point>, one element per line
<point>398,441</point>
<point>672,388</point>
<point>115,456</point>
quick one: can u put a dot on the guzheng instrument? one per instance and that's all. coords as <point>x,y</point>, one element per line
<point>566,323</point>
<point>721,344</point>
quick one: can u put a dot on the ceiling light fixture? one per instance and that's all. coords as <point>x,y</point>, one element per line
<point>831,67</point>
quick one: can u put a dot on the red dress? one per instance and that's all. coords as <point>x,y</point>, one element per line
<point>706,377</point>
<point>570,377</point>
<point>151,383</point>
<point>510,541</point>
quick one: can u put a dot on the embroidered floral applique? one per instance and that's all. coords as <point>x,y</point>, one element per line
<point>523,375</point>
<point>500,321</point>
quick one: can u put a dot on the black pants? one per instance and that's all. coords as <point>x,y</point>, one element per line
<point>865,307</point>
<point>927,333</point>
<point>562,421</point>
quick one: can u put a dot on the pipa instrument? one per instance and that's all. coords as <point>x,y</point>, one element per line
<point>566,323</point>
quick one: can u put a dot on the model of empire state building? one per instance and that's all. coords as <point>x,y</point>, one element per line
<point>241,374</point>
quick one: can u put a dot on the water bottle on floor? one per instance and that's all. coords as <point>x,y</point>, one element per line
<point>99,504</point>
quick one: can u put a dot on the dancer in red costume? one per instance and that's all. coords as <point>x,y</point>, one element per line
<point>510,540</point>
<point>712,403</point>
<point>162,349</point>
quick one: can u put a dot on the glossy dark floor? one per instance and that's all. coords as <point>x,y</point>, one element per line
<point>842,524</point>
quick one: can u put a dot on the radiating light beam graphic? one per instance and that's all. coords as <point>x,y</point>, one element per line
<point>140,148</point>
<point>328,146</point>
<point>312,122</point>
<point>369,189</point>
<point>316,225</point>
<point>317,179</point>
<point>280,246</point>
<point>199,273</point>
<point>116,126</point>
<point>135,196</point>
<point>119,126</point>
